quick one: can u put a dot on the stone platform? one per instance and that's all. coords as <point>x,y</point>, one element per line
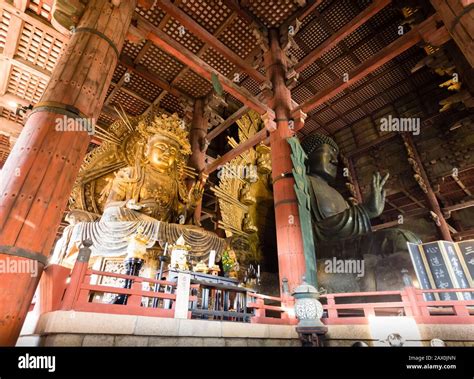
<point>70,328</point>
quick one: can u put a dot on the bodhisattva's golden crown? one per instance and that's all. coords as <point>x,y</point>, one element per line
<point>171,126</point>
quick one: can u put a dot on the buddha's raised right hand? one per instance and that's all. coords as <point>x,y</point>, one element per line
<point>375,202</point>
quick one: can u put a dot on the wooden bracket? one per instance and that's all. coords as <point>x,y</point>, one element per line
<point>269,121</point>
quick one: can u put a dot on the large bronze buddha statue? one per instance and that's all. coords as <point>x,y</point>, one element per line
<point>343,231</point>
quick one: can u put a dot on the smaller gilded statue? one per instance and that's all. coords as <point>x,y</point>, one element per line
<point>136,248</point>
<point>247,224</point>
<point>264,161</point>
<point>245,196</point>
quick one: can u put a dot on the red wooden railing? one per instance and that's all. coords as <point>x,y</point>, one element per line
<point>342,308</point>
<point>80,298</point>
<point>412,303</point>
<point>257,302</point>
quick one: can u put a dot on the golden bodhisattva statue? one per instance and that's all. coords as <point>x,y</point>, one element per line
<point>136,181</point>
<point>154,185</point>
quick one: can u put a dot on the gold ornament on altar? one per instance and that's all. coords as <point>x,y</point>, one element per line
<point>201,267</point>
<point>179,255</point>
<point>137,245</point>
<point>214,270</point>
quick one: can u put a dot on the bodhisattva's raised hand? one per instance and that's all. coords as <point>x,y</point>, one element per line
<point>196,191</point>
<point>375,202</point>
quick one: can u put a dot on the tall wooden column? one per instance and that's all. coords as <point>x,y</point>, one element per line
<point>423,181</point>
<point>198,141</point>
<point>291,260</point>
<point>39,174</point>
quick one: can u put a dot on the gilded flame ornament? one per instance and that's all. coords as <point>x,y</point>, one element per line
<point>244,194</point>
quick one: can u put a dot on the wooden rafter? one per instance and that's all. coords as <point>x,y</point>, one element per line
<point>395,207</point>
<point>175,49</point>
<point>244,13</point>
<point>244,146</point>
<point>458,207</point>
<point>332,41</point>
<point>328,67</point>
<point>390,224</point>
<point>203,49</point>
<point>21,4</point>
<point>461,185</point>
<point>300,15</point>
<point>413,198</point>
<point>433,118</point>
<point>227,122</point>
<point>37,22</point>
<point>370,65</point>
<point>209,39</point>
<point>9,127</point>
<point>143,72</point>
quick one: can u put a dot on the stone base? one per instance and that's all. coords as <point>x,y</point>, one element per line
<point>69,328</point>
<point>414,335</point>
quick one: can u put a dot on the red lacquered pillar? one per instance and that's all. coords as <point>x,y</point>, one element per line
<point>39,174</point>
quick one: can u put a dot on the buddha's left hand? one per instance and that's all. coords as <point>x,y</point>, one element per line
<point>375,203</point>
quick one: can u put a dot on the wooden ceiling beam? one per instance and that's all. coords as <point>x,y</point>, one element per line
<point>413,214</point>
<point>36,21</point>
<point>209,39</point>
<point>241,148</point>
<point>395,207</point>
<point>377,60</point>
<point>299,15</point>
<point>21,4</point>
<point>332,41</point>
<point>203,49</point>
<point>227,123</point>
<point>144,73</point>
<point>244,13</point>
<point>461,185</point>
<point>386,137</point>
<point>458,207</point>
<point>133,94</point>
<point>413,198</point>
<point>30,68</point>
<point>10,128</point>
<point>465,234</point>
<point>175,49</point>
<point>335,62</point>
